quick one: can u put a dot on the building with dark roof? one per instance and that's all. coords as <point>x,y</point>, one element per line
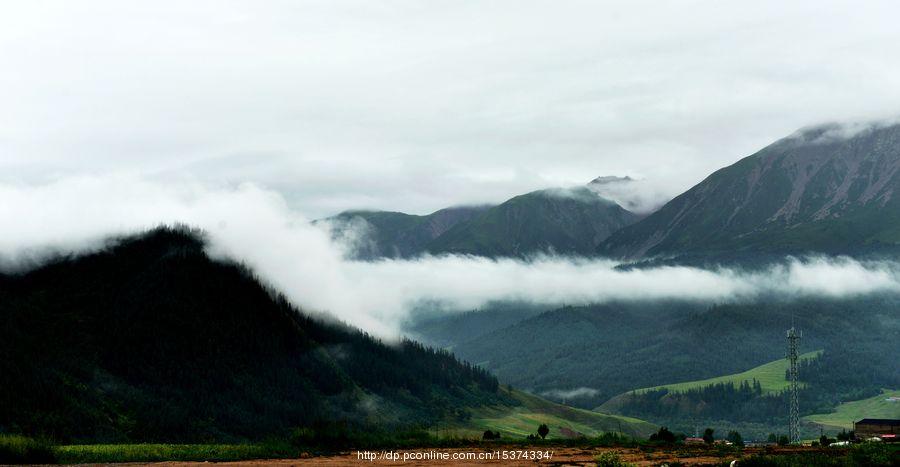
<point>869,427</point>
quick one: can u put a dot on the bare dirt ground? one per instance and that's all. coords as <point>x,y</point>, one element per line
<point>560,456</point>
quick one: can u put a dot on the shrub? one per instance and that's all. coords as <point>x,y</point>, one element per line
<point>871,454</point>
<point>610,459</point>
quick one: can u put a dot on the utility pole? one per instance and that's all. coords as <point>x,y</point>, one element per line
<point>793,338</point>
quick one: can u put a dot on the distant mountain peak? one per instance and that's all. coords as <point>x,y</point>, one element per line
<point>834,132</point>
<point>639,196</point>
<point>607,179</point>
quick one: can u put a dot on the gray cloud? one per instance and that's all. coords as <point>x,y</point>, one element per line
<point>418,105</point>
<point>257,227</point>
<point>837,131</point>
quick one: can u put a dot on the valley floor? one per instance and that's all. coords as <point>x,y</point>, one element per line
<point>684,455</point>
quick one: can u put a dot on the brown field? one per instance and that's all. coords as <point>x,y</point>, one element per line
<point>573,456</point>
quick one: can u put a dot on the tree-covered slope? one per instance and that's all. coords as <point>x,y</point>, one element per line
<point>828,379</point>
<point>443,330</point>
<point>820,190</point>
<point>152,340</point>
<point>609,349</point>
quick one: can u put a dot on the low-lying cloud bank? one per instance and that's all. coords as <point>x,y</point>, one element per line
<point>575,393</point>
<point>255,226</point>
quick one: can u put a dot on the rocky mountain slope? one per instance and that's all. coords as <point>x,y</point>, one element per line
<point>385,234</point>
<point>565,221</point>
<point>829,189</point>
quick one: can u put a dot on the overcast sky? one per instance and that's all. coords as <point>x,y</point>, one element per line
<point>422,104</point>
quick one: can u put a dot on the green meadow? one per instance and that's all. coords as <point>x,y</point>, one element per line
<point>564,421</point>
<point>770,376</point>
<point>848,412</point>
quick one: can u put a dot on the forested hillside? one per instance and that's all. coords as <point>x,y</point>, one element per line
<point>151,340</point>
<point>827,380</point>
<point>613,348</point>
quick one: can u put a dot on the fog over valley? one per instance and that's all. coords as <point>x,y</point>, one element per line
<point>254,226</point>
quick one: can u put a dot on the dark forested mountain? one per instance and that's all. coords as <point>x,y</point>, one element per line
<point>571,221</point>
<point>821,189</point>
<point>445,330</point>
<point>617,347</point>
<point>384,234</point>
<point>565,221</point>
<point>152,340</point>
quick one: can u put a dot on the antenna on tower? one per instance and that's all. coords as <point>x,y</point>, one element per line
<point>793,338</point>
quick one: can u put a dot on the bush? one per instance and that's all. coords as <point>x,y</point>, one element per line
<point>610,459</point>
<point>872,454</point>
<point>15,449</point>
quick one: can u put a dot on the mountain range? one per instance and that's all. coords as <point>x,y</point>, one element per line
<point>570,221</point>
<point>825,189</point>
<point>819,190</point>
<point>151,339</point>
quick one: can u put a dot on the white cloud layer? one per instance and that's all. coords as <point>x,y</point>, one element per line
<point>414,106</point>
<point>571,393</point>
<point>257,227</point>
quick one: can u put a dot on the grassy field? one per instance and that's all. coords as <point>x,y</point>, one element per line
<point>848,412</point>
<point>563,421</point>
<point>769,375</point>
<point>514,423</point>
<point>16,449</point>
